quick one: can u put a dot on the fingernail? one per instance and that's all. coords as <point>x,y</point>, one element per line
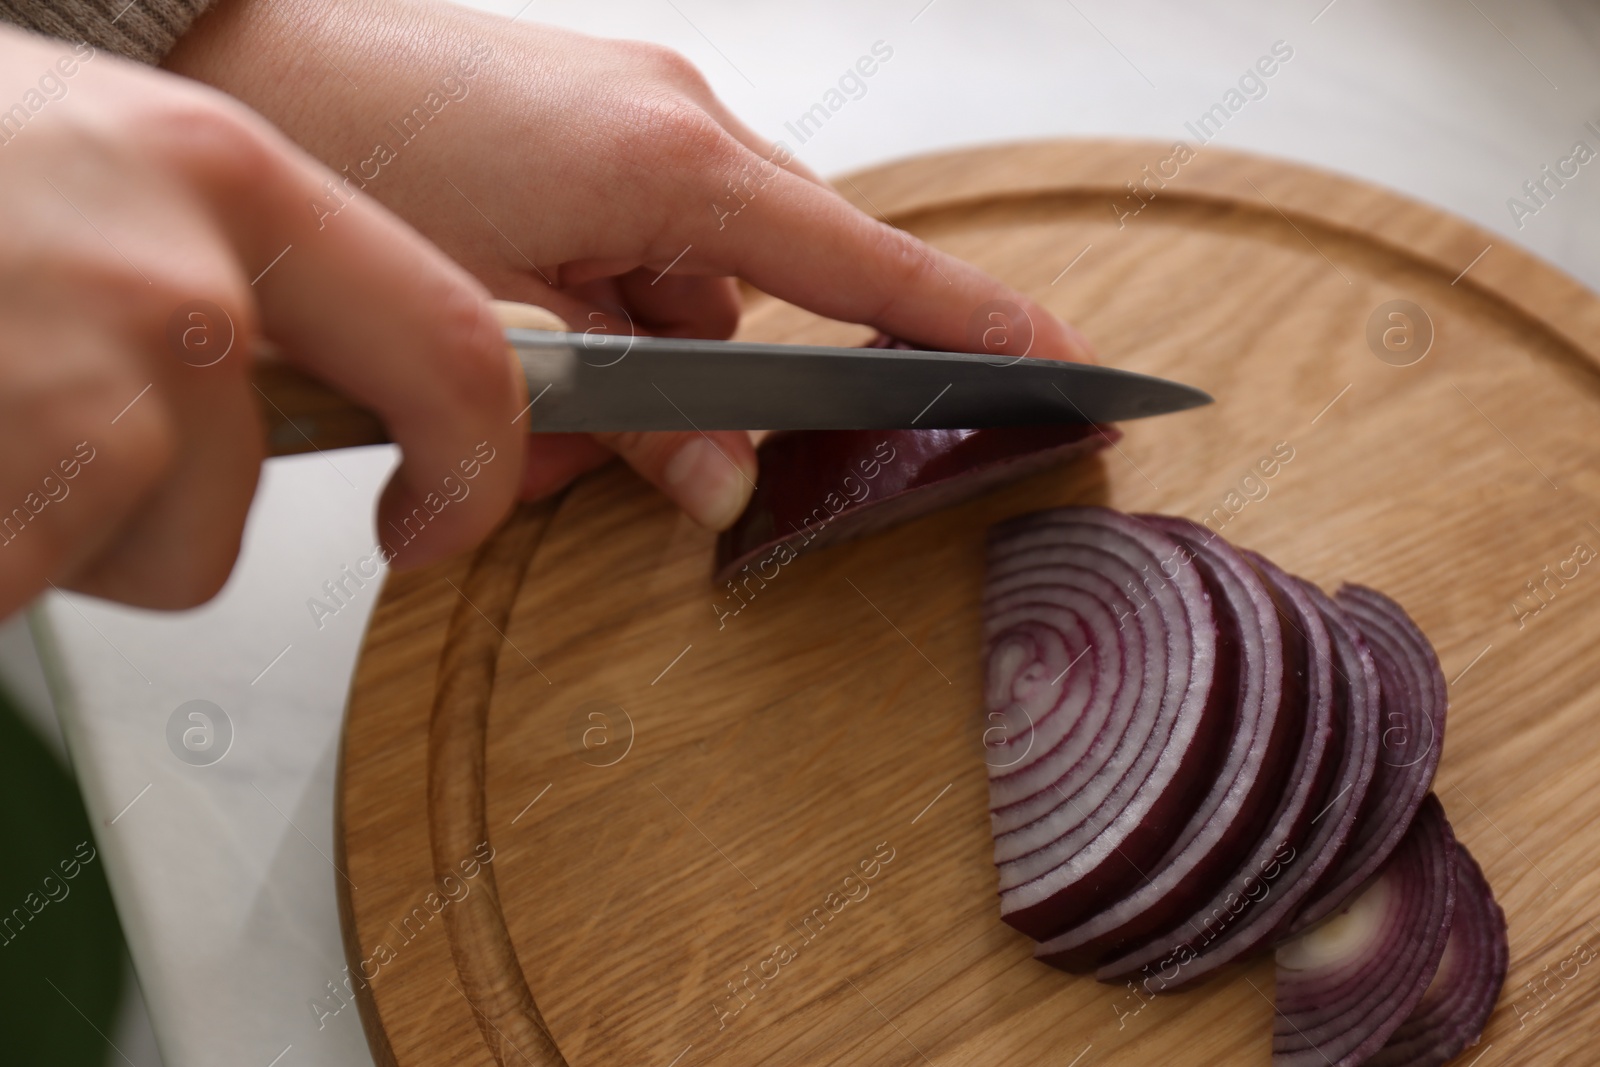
<point>707,484</point>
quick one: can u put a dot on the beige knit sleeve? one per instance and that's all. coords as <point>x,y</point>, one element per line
<point>139,29</point>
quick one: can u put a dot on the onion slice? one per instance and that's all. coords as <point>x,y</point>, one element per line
<point>1095,578</point>
<point>1412,706</point>
<point>1262,675</point>
<point>1346,985</point>
<point>1313,812</point>
<point>1452,1013</point>
<point>820,487</point>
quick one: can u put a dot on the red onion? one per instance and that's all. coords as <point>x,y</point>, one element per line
<point>1453,1011</point>
<point>1126,743</point>
<point>1346,985</point>
<point>1353,753</point>
<point>1242,910</point>
<point>819,487</point>
<point>1412,708</point>
<point>1193,754</point>
<point>1262,675</point>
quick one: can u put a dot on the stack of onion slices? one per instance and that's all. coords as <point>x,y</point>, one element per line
<point>1194,756</point>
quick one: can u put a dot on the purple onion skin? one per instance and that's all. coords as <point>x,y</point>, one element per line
<point>819,487</point>
<point>1177,885</point>
<point>1342,1013</point>
<point>1413,701</point>
<point>1452,1013</point>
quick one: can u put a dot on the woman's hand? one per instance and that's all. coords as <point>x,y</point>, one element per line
<point>154,231</point>
<point>598,178</point>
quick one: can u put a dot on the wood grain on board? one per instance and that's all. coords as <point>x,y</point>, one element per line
<point>674,783</point>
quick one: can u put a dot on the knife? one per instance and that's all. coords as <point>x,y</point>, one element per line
<point>592,382</point>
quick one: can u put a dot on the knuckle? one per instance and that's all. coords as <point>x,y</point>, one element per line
<point>197,313</point>
<point>668,64</point>
<point>903,262</point>
<point>205,321</point>
<point>679,136</point>
<point>215,140</point>
<point>905,256</point>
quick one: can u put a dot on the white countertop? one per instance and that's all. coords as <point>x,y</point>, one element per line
<point>222,872</point>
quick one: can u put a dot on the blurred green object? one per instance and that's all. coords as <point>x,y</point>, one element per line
<point>61,949</point>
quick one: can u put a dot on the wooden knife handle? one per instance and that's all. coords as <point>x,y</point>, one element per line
<point>302,414</point>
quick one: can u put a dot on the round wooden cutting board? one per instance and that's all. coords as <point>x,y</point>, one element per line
<point>598,817</point>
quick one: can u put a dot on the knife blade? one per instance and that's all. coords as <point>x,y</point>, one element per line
<point>597,383</point>
<point>591,382</point>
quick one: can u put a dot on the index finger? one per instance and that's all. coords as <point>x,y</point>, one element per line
<point>805,244</point>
